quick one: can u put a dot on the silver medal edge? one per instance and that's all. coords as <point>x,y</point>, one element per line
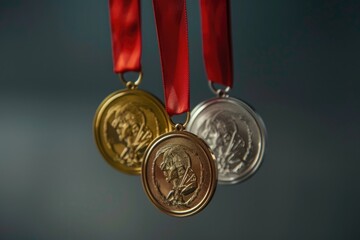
<point>260,123</point>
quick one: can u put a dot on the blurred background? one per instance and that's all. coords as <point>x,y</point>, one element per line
<point>297,62</point>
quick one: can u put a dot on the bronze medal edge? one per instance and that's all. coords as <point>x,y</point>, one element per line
<point>213,174</point>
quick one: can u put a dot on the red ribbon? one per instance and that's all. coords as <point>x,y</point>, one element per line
<point>126,35</point>
<point>216,36</point>
<point>171,25</point>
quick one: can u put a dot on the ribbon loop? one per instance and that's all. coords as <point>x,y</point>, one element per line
<point>171,25</point>
<point>216,36</point>
<point>126,35</point>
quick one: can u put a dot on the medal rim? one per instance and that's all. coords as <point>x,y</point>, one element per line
<point>211,159</point>
<point>258,120</point>
<point>98,116</point>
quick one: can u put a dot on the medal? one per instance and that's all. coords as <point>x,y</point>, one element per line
<point>128,120</point>
<point>178,173</point>
<point>234,132</point>
<point>232,129</point>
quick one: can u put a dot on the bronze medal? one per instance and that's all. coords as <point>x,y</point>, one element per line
<point>124,125</point>
<point>179,173</point>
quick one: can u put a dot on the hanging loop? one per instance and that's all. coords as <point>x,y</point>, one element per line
<point>181,126</point>
<point>221,92</point>
<point>130,84</point>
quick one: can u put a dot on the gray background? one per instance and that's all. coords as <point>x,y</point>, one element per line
<point>297,62</point>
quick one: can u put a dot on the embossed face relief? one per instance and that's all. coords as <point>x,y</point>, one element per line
<point>176,167</point>
<point>179,173</point>
<point>231,145</point>
<point>128,134</point>
<point>125,124</point>
<point>234,132</point>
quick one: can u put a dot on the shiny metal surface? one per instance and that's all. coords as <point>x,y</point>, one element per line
<point>129,84</point>
<point>234,132</point>
<point>219,91</point>
<point>124,125</point>
<point>179,173</point>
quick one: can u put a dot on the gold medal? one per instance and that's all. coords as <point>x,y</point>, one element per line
<point>124,125</point>
<point>178,173</point>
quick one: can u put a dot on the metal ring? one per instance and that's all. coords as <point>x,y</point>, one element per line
<point>130,84</point>
<point>220,92</point>
<point>181,126</point>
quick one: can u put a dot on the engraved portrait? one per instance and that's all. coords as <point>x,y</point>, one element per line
<point>176,167</point>
<point>229,136</point>
<point>128,132</point>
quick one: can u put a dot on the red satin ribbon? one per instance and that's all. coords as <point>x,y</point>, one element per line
<point>126,35</point>
<point>216,36</point>
<point>171,25</point>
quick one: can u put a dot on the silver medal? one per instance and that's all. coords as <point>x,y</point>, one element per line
<point>234,132</point>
